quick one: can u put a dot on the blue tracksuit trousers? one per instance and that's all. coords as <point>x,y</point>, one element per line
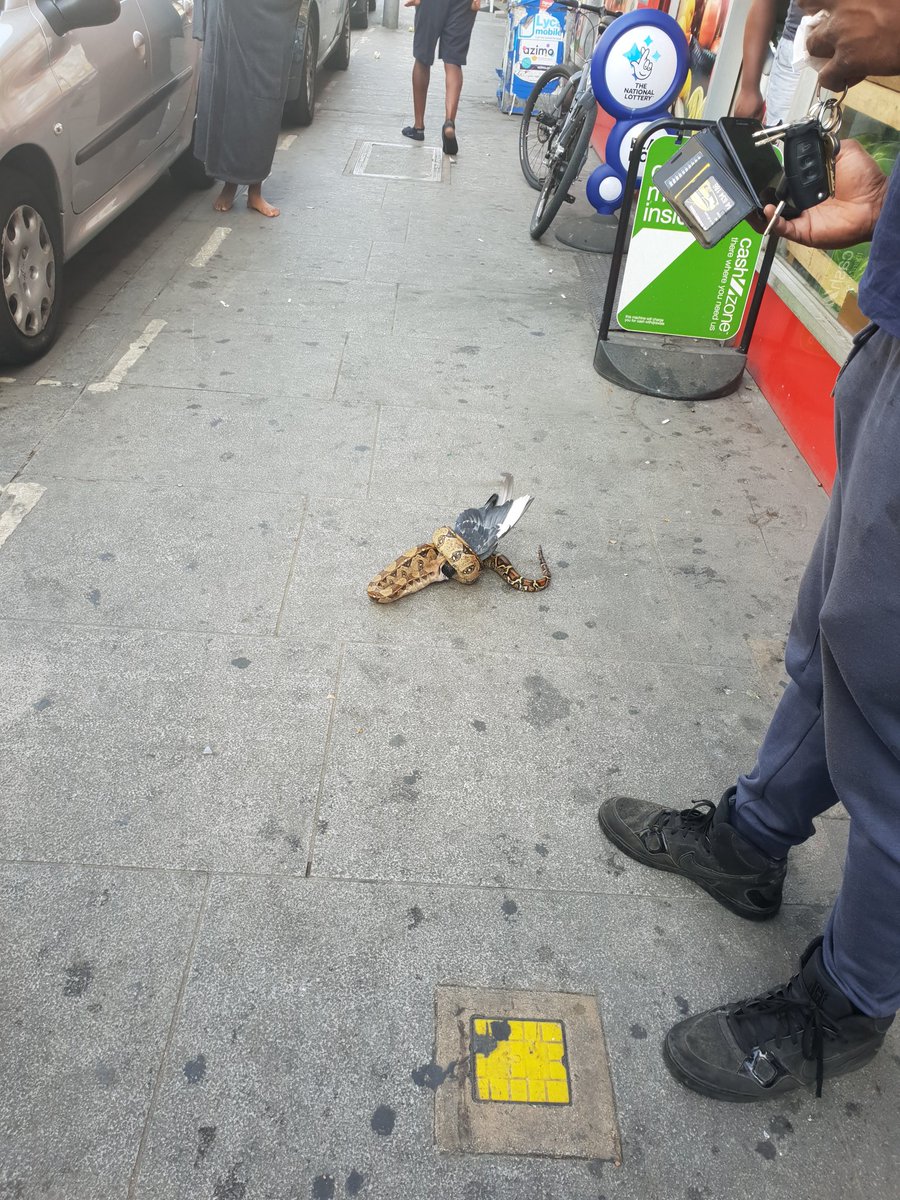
<point>836,732</point>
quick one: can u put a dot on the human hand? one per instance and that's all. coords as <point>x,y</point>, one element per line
<point>850,216</point>
<point>858,37</point>
<point>411,3</point>
<point>476,5</point>
<point>749,102</point>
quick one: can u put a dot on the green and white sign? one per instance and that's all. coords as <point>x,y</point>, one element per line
<point>671,284</point>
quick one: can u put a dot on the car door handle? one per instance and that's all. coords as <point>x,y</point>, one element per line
<point>140,45</point>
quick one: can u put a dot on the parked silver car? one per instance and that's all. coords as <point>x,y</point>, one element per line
<point>97,100</point>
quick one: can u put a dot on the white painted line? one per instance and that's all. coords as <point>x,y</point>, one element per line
<point>210,246</point>
<point>16,502</point>
<point>285,141</point>
<point>7,379</point>
<point>128,359</point>
<point>49,383</point>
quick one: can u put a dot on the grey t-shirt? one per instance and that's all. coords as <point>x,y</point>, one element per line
<point>792,21</point>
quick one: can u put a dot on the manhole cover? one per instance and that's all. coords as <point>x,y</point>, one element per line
<point>522,1073</point>
<point>381,160</point>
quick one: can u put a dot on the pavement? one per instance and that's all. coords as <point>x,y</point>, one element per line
<point>252,822</point>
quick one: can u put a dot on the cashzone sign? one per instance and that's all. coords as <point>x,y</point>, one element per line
<point>671,284</point>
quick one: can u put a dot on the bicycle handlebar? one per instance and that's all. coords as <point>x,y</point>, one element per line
<point>576,5</point>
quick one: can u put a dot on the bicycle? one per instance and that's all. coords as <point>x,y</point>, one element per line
<point>544,105</point>
<point>566,149</point>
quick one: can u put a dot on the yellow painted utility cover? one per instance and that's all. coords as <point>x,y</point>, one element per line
<point>520,1062</point>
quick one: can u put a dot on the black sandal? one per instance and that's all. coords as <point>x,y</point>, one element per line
<point>414,132</point>
<point>451,145</point>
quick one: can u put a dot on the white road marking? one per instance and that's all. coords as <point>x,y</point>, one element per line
<point>210,246</point>
<point>49,383</point>
<point>16,502</point>
<point>128,359</point>
<point>7,379</point>
<point>285,141</point>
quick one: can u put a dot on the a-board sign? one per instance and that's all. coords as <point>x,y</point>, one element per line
<point>672,285</point>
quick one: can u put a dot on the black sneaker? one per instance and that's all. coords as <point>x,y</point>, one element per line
<point>701,845</point>
<point>792,1037</point>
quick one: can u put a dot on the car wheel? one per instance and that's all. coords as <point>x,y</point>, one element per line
<point>340,55</point>
<point>188,172</point>
<point>302,110</point>
<point>359,15</point>
<point>31,270</point>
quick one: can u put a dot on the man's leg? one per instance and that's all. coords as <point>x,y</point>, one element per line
<point>454,82</point>
<point>832,1017</point>
<point>421,76</point>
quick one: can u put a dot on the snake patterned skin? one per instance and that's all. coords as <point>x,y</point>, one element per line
<point>504,568</point>
<point>446,556</point>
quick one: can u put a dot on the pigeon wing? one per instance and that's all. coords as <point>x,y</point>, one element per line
<point>482,528</point>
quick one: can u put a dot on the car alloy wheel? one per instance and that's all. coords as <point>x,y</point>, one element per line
<point>29,270</point>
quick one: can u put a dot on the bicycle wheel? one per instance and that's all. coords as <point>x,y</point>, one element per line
<point>563,169</point>
<point>542,113</point>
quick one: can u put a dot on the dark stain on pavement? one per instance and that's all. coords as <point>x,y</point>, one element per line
<point>397,740</point>
<point>546,703</point>
<point>416,917</point>
<point>240,663</point>
<point>766,1149</point>
<point>486,1043</point>
<point>94,596</point>
<point>431,1075</point>
<point>323,1187</point>
<point>229,1187</point>
<point>480,726</point>
<point>683,1005</point>
<point>354,1183</point>
<point>78,979</point>
<point>639,1032</point>
<point>541,849</point>
<point>206,1135</point>
<point>43,704</point>
<point>780,1127</point>
<point>509,908</point>
<point>383,1119</point>
<point>195,1068</point>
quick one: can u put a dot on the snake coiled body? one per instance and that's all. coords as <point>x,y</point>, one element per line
<point>446,556</point>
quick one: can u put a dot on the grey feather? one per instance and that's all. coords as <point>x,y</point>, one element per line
<point>482,528</point>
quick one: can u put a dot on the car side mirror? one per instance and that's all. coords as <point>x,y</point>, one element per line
<point>65,15</point>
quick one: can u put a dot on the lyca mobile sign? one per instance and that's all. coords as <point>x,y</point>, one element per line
<point>671,284</point>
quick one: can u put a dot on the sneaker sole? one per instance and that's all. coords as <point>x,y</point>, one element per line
<point>703,1089</point>
<point>749,914</point>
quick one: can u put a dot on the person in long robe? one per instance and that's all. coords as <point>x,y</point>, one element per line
<point>244,75</point>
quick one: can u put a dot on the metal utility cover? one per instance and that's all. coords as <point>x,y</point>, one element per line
<point>524,1073</point>
<point>381,160</point>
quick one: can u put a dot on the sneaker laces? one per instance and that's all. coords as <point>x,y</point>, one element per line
<point>786,1013</point>
<point>692,822</point>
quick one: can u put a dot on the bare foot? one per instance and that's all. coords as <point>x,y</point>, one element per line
<point>225,198</point>
<point>258,204</point>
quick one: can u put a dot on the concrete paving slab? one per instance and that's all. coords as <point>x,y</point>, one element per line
<point>304,306</point>
<point>157,556</point>
<point>615,474</point>
<point>210,439</point>
<point>724,580</point>
<point>608,597</point>
<point>477,374</point>
<point>209,351</point>
<point>499,729</point>
<point>424,312</point>
<point>89,978</point>
<point>27,414</point>
<point>285,973</point>
<point>172,750</point>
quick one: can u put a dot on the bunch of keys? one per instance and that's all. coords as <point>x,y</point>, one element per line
<point>810,149</point>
